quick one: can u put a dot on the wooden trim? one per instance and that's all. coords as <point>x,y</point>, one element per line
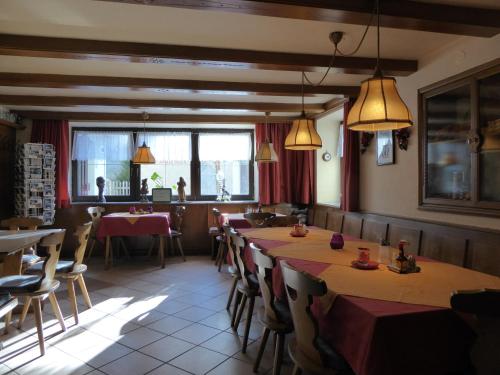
<point>86,49</point>
<point>80,81</point>
<point>11,124</point>
<point>400,14</point>
<point>331,106</point>
<point>71,101</point>
<point>153,117</point>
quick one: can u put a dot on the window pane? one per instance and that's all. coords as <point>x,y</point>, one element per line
<point>172,152</point>
<point>102,154</point>
<point>448,154</point>
<point>225,163</point>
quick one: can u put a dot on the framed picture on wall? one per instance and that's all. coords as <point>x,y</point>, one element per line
<point>385,147</point>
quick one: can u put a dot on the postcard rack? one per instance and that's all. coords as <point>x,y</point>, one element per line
<point>35,181</point>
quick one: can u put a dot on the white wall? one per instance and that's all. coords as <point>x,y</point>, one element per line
<point>328,173</point>
<point>393,189</point>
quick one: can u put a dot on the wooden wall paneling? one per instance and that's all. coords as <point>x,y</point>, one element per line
<point>320,213</point>
<point>353,225</point>
<point>7,165</point>
<point>445,246</point>
<point>374,230</point>
<point>412,235</point>
<point>335,220</point>
<point>484,254</point>
<point>310,215</point>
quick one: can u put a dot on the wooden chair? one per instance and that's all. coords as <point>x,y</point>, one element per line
<point>35,288</point>
<point>73,270</point>
<point>280,221</point>
<point>309,352</point>
<point>215,231</point>
<point>234,269</point>
<point>176,232</point>
<point>257,218</point>
<point>7,305</point>
<point>484,305</point>
<point>247,289</point>
<point>334,221</point>
<point>374,231</point>
<point>412,236</point>
<point>30,223</point>
<point>95,214</point>
<point>353,225</point>
<point>273,316</point>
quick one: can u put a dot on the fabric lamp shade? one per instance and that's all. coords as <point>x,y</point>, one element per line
<point>303,135</point>
<point>266,153</point>
<point>143,155</point>
<point>379,107</point>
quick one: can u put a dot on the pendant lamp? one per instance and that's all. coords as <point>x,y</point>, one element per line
<point>266,153</point>
<point>143,153</point>
<point>303,135</point>
<point>379,105</point>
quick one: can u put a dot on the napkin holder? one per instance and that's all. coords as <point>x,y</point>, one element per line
<point>411,266</point>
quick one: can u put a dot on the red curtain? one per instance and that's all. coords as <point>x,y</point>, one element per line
<point>350,166</point>
<point>291,180</point>
<point>56,132</point>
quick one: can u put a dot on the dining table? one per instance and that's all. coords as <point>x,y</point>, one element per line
<point>237,220</point>
<point>125,224</point>
<point>381,322</point>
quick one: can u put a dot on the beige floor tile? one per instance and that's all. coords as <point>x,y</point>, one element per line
<point>225,343</point>
<point>102,353</point>
<point>193,298</point>
<point>195,313</point>
<point>168,370</point>
<point>170,306</point>
<point>169,324</point>
<point>198,360</point>
<point>220,320</point>
<point>196,333</point>
<point>133,363</point>
<point>233,366</point>
<point>111,327</point>
<point>140,337</point>
<point>167,348</point>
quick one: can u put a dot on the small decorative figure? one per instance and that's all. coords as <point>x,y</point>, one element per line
<point>366,139</point>
<point>402,136</point>
<point>181,184</point>
<point>100,182</point>
<point>144,190</point>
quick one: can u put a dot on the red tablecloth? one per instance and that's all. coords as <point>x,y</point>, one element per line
<point>124,224</point>
<point>380,337</point>
<point>236,221</point>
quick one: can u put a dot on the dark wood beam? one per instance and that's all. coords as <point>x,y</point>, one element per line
<point>331,106</point>
<point>85,49</point>
<point>153,117</point>
<point>71,101</point>
<point>158,84</point>
<point>400,14</point>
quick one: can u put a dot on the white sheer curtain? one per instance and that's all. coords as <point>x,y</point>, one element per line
<point>168,146</point>
<point>102,145</point>
<point>220,146</point>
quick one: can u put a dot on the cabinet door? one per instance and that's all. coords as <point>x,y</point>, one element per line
<point>448,156</point>
<point>489,127</point>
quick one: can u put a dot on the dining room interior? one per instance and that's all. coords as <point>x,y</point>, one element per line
<point>182,180</point>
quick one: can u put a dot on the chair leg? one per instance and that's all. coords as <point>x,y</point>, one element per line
<point>72,299</point>
<point>248,323</point>
<point>84,290</point>
<point>278,354</point>
<point>223,256</point>
<point>91,249</point>
<point>262,347</point>
<point>296,370</point>
<point>212,247</point>
<point>179,245</point>
<point>161,251</point>
<point>26,307</point>
<point>219,254</point>
<point>240,312</point>
<point>8,318</point>
<point>151,246</point>
<point>39,324</point>
<point>125,250</point>
<point>170,245</point>
<point>237,301</point>
<point>231,293</point>
<point>57,310</point>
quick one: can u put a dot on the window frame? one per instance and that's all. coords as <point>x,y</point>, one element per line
<point>195,165</point>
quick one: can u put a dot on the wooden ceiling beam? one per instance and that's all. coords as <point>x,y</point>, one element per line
<point>153,117</point>
<point>72,101</point>
<point>159,84</point>
<point>399,14</point>
<point>84,49</point>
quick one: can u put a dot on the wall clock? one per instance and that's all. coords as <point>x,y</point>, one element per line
<point>326,156</point>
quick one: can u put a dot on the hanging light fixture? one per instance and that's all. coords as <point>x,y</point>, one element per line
<point>266,153</point>
<point>143,153</point>
<point>379,105</point>
<point>303,135</point>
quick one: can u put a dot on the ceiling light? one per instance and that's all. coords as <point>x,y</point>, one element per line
<point>266,153</point>
<point>143,153</point>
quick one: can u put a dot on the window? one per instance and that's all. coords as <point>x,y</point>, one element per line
<point>210,161</point>
<point>172,152</point>
<point>105,154</point>
<point>225,164</point>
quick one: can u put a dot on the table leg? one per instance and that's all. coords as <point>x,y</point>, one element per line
<point>107,260</point>
<point>161,251</point>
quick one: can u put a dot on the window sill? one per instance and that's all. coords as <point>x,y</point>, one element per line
<point>148,203</point>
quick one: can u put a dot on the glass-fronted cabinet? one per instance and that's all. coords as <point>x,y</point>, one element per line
<point>460,143</point>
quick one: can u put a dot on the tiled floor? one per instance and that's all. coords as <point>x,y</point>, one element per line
<point>144,321</point>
